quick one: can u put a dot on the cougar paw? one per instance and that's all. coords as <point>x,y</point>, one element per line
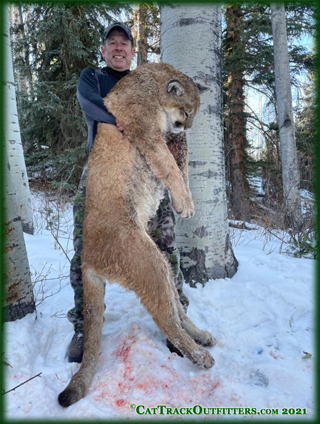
<point>202,358</point>
<point>206,339</point>
<point>184,206</point>
<point>187,212</point>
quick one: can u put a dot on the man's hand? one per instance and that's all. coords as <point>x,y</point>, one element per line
<point>119,126</point>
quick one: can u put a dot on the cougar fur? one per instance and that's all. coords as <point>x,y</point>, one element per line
<point>127,176</point>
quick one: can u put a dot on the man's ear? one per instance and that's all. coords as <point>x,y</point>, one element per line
<point>175,87</point>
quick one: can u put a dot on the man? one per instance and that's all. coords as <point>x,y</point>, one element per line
<point>118,52</point>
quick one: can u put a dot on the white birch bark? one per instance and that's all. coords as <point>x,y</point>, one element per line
<point>191,42</point>
<point>19,298</point>
<point>15,14</point>
<point>290,169</point>
<point>14,148</point>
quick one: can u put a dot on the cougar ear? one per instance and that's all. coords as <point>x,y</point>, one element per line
<point>175,87</point>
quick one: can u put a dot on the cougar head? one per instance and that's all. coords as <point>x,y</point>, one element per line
<point>182,102</point>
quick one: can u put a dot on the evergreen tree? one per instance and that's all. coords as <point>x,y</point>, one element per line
<point>145,19</point>
<point>253,57</point>
<point>61,40</point>
<point>305,135</point>
<point>234,47</point>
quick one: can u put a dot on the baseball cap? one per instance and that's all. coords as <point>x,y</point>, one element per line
<point>117,25</point>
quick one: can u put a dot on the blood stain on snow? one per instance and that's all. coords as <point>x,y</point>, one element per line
<point>103,394</point>
<point>127,372</point>
<point>164,382</point>
<point>124,350</point>
<point>273,355</point>
<point>217,384</point>
<point>120,402</point>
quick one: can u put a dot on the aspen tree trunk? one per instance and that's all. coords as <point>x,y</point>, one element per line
<point>290,169</point>
<point>236,121</point>
<point>16,19</point>
<point>191,41</point>
<point>19,299</point>
<point>14,148</point>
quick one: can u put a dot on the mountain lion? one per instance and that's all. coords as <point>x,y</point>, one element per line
<point>127,176</point>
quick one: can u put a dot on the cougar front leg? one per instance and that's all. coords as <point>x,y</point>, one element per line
<point>166,315</point>
<point>199,336</point>
<point>163,164</point>
<point>93,296</point>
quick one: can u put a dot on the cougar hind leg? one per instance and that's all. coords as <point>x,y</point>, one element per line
<point>93,293</point>
<point>147,272</point>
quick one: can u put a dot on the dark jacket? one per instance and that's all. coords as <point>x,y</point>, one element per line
<point>94,84</point>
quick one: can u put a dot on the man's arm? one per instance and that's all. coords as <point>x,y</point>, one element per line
<point>90,100</point>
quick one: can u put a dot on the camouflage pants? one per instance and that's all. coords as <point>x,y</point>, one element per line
<point>161,230</point>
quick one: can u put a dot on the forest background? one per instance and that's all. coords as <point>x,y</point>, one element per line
<point>52,43</point>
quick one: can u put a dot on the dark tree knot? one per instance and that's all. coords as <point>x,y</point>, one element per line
<point>287,123</point>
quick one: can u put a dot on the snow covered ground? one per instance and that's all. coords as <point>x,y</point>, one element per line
<point>262,318</point>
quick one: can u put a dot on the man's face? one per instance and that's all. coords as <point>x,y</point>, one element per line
<point>117,51</point>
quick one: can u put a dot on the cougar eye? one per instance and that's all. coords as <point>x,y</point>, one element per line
<point>186,114</point>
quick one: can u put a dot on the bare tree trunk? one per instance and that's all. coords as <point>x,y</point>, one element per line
<point>290,169</point>
<point>28,72</point>
<point>236,121</point>
<point>19,299</point>
<point>17,21</point>
<point>191,41</point>
<point>14,148</point>
<point>142,44</point>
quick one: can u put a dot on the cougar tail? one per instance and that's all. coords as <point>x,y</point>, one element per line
<point>75,391</point>
<point>69,397</point>
<point>93,294</point>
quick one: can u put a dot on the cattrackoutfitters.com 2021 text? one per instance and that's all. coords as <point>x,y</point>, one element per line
<point>199,410</point>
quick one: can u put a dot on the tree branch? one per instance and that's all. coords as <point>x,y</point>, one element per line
<point>38,375</point>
